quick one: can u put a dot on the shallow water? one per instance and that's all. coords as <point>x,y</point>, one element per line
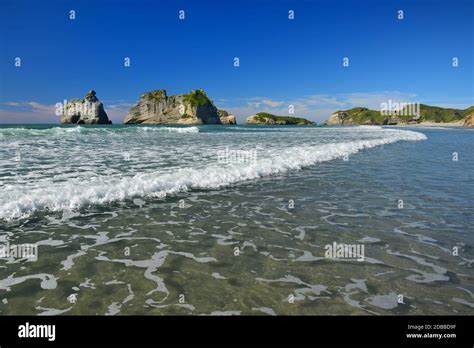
<point>145,220</point>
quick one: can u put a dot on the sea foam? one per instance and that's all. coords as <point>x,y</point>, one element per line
<point>18,201</point>
<point>85,130</point>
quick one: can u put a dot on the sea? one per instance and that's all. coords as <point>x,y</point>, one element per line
<point>236,220</point>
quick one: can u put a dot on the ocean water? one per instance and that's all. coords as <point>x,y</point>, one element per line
<point>235,220</point>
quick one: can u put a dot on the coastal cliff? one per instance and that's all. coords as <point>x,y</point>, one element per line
<point>353,116</point>
<point>225,117</point>
<point>264,118</point>
<point>192,108</point>
<point>427,115</point>
<point>469,120</point>
<point>84,111</point>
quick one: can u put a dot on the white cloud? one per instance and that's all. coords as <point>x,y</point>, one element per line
<point>373,100</point>
<point>34,112</point>
<point>272,103</point>
<point>27,112</point>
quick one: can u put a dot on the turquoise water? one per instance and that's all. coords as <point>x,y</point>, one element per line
<point>165,220</point>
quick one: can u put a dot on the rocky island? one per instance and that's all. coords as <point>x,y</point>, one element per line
<point>428,115</point>
<point>264,118</point>
<point>188,109</point>
<point>84,111</point>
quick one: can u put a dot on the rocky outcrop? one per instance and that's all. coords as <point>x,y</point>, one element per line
<point>226,118</point>
<point>193,108</point>
<point>391,121</point>
<point>469,120</point>
<point>338,118</point>
<point>363,116</point>
<point>425,114</point>
<point>265,118</point>
<point>84,111</point>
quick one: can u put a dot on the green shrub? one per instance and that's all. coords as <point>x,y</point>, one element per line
<point>197,98</point>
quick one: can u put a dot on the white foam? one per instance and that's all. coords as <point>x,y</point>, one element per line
<point>368,127</point>
<point>17,200</point>
<point>389,301</point>
<point>68,130</point>
<point>48,281</point>
<point>77,129</point>
<point>192,129</point>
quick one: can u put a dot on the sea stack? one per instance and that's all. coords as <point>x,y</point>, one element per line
<point>192,108</point>
<point>265,118</point>
<point>84,111</point>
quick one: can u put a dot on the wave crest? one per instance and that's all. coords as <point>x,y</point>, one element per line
<point>59,131</point>
<point>16,201</point>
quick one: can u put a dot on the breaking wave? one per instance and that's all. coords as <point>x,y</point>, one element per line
<point>192,129</point>
<point>18,201</point>
<point>25,131</point>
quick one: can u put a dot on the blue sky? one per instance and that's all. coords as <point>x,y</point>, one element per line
<point>282,62</point>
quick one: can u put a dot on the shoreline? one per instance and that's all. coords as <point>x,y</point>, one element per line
<point>433,124</point>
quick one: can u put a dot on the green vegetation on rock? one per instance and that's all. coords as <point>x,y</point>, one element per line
<point>437,114</point>
<point>156,107</point>
<point>364,116</point>
<point>427,113</point>
<point>262,117</point>
<point>197,98</point>
<point>156,95</point>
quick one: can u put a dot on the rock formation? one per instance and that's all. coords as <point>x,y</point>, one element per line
<point>359,116</point>
<point>226,118</point>
<point>84,111</point>
<point>391,120</point>
<point>338,118</point>
<point>193,108</point>
<point>469,121</point>
<point>425,114</point>
<point>269,119</point>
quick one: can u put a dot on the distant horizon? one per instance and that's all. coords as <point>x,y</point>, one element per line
<point>117,120</point>
<point>254,56</point>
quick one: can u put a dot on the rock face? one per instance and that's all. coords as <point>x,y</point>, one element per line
<point>85,111</point>
<point>359,115</point>
<point>226,118</point>
<point>469,121</point>
<point>338,118</point>
<point>265,118</point>
<point>425,114</point>
<point>193,108</point>
<point>391,121</point>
